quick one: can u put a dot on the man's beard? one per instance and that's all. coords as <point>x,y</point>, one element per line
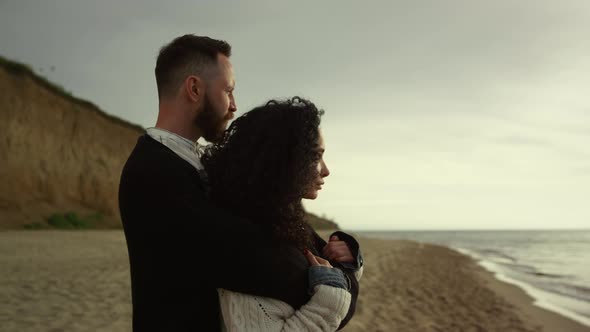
<point>210,122</point>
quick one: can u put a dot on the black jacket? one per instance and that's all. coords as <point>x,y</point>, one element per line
<point>181,248</point>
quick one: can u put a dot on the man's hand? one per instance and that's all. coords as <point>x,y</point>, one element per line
<point>337,251</point>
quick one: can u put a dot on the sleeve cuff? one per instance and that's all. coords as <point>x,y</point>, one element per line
<point>323,275</point>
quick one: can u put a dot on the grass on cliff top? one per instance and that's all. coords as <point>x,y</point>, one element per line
<point>73,221</point>
<point>23,69</point>
<point>320,223</point>
<point>18,68</point>
<point>68,220</point>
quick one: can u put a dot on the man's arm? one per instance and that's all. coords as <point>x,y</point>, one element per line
<point>227,251</point>
<point>344,249</point>
<point>350,265</point>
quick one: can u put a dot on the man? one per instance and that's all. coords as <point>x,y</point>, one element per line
<point>182,248</point>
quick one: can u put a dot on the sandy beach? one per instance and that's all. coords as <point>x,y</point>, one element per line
<point>79,281</point>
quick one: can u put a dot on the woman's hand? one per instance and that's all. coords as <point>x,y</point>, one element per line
<point>315,260</point>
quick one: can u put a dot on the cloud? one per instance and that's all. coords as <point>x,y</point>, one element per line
<point>516,140</point>
<point>582,170</point>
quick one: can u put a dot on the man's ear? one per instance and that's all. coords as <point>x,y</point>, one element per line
<point>194,88</point>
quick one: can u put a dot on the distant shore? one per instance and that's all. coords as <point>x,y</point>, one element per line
<point>79,281</point>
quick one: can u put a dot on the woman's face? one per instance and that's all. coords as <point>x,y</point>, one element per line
<point>321,172</point>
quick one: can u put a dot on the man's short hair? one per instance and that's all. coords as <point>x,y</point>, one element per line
<point>186,55</point>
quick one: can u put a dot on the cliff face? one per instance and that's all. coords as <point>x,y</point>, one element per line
<point>61,154</point>
<point>57,153</point>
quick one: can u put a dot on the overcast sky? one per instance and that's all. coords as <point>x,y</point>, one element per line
<point>455,114</point>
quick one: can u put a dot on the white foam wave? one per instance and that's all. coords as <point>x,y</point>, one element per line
<point>561,305</point>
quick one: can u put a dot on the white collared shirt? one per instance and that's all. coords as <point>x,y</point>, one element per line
<point>184,148</point>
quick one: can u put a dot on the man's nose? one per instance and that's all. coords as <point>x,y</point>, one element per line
<point>232,105</point>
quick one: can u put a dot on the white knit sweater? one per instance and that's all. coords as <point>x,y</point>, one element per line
<point>324,311</point>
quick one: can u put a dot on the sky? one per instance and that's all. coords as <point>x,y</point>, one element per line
<point>456,114</point>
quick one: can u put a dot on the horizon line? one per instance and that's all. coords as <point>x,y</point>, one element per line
<point>470,230</point>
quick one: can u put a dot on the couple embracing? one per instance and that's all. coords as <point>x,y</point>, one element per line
<point>216,236</point>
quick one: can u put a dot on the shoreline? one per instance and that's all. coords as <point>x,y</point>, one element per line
<point>532,317</point>
<point>548,319</point>
<point>537,300</point>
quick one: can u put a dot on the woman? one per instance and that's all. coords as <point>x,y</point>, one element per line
<point>268,161</point>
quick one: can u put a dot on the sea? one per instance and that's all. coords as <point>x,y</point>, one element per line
<point>553,266</point>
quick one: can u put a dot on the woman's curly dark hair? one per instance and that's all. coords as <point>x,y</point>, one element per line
<point>264,163</point>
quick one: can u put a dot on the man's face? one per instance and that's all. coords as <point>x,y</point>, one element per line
<point>219,105</point>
